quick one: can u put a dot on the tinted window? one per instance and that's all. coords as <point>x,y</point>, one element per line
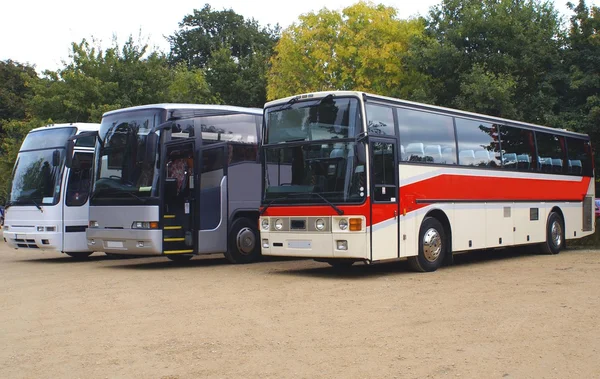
<point>384,171</point>
<point>89,141</point>
<point>51,137</point>
<point>426,137</point>
<point>477,143</point>
<point>518,148</point>
<point>380,120</point>
<point>551,151</point>
<point>212,168</point>
<point>239,152</point>
<point>237,128</point>
<point>78,184</point>
<point>580,157</point>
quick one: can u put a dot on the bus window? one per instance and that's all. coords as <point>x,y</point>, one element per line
<point>477,143</point>
<point>518,147</point>
<point>579,157</point>
<point>426,137</point>
<point>380,120</point>
<point>384,172</point>
<point>78,184</point>
<point>551,153</point>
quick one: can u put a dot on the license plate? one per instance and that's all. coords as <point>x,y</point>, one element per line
<point>114,244</point>
<point>299,244</point>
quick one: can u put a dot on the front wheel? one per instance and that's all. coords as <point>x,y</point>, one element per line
<point>432,246</point>
<point>555,234</point>
<point>79,254</point>
<point>243,241</point>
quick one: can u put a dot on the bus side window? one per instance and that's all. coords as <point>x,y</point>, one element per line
<point>579,157</point>
<point>518,149</point>
<point>384,175</point>
<point>551,153</point>
<point>78,184</point>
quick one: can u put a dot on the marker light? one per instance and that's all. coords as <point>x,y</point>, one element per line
<point>278,224</point>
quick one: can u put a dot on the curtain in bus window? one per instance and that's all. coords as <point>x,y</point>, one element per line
<point>426,137</point>
<point>551,152</point>
<point>518,149</point>
<point>579,157</point>
<point>478,143</point>
<point>380,120</point>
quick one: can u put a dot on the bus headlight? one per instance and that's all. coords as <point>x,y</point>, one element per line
<point>343,224</point>
<point>320,224</point>
<point>144,225</point>
<point>278,224</point>
<point>265,224</point>
<point>93,224</point>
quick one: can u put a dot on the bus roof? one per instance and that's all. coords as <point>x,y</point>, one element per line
<point>81,126</point>
<point>175,106</point>
<point>435,108</point>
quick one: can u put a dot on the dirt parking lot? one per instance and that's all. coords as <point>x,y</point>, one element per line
<point>491,315</point>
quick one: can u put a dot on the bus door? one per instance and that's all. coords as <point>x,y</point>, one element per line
<point>214,198</point>
<point>179,197</point>
<point>75,212</point>
<point>384,198</point>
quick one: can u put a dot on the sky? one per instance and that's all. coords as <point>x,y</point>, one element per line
<point>40,32</point>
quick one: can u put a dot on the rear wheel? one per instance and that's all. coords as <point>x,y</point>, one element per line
<point>180,257</point>
<point>243,242</point>
<point>79,254</point>
<point>432,246</point>
<point>555,234</point>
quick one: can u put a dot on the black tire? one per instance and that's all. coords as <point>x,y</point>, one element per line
<point>79,254</point>
<point>555,234</point>
<point>180,257</point>
<point>244,242</point>
<point>432,246</point>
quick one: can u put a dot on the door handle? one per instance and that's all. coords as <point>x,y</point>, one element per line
<point>395,214</point>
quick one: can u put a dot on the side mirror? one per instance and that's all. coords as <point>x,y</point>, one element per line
<point>69,153</point>
<point>151,141</point>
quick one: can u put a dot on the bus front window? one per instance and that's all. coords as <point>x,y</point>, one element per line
<point>36,178</point>
<point>123,170</point>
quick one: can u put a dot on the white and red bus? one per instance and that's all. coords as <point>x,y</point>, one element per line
<point>351,176</point>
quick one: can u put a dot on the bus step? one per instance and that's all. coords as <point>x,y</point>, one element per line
<point>169,216</point>
<point>172,227</point>
<point>177,239</point>
<point>190,251</point>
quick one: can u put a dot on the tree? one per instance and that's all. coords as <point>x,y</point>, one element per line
<point>363,47</point>
<point>96,80</point>
<point>15,89</point>
<point>493,56</point>
<point>233,51</point>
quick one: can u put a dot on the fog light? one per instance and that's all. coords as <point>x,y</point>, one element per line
<point>140,244</point>
<point>278,224</point>
<point>40,228</point>
<point>91,242</point>
<point>45,242</point>
<point>264,223</point>
<point>342,245</point>
<point>265,243</point>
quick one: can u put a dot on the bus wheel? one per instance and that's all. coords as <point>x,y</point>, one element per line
<point>79,254</point>
<point>555,234</point>
<point>180,257</point>
<point>432,246</point>
<point>243,241</point>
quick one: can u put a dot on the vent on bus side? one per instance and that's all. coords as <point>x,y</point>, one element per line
<point>588,213</point>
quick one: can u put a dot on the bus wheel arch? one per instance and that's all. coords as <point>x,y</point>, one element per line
<point>555,232</point>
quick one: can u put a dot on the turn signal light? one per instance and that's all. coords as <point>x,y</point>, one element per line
<point>355,224</point>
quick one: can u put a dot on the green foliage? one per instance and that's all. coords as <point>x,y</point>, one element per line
<point>360,48</point>
<point>233,51</point>
<point>14,133</point>
<point>15,89</point>
<point>95,81</point>
<point>514,46</point>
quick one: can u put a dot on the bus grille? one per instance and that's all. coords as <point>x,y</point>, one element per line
<point>588,214</point>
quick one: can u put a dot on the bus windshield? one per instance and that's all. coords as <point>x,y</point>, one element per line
<point>37,177</point>
<point>122,171</point>
<point>318,119</point>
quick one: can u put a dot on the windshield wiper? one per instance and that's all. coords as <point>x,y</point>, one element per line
<point>37,205</point>
<point>338,210</point>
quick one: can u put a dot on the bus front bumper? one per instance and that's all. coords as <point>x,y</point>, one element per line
<point>315,245</point>
<point>50,241</point>
<point>125,241</point>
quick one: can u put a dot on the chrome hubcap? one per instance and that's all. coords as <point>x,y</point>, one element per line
<point>556,232</point>
<point>432,245</point>
<point>245,241</point>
